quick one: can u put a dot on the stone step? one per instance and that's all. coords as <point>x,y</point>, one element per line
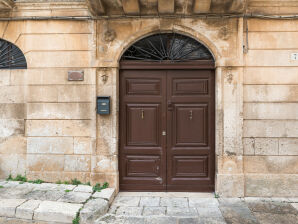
<point>52,203</point>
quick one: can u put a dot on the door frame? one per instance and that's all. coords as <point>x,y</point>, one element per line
<point>142,65</point>
<point>168,65</point>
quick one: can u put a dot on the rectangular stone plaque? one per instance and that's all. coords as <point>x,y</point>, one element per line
<point>76,75</point>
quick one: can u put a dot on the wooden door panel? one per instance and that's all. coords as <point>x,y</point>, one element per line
<point>143,86</point>
<point>191,130</point>
<point>142,166</point>
<point>189,125</point>
<point>189,86</point>
<point>143,124</point>
<point>142,153</point>
<point>167,130</point>
<point>190,166</point>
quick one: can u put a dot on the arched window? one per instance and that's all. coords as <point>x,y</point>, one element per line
<point>167,47</point>
<point>11,57</point>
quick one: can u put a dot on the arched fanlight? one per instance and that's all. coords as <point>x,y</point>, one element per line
<point>11,57</point>
<point>167,46</point>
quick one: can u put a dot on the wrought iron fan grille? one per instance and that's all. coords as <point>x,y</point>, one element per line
<point>11,57</point>
<point>167,46</point>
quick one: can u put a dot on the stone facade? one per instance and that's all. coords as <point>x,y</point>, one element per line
<point>49,128</point>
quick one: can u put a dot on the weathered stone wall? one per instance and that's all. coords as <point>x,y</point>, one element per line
<point>48,123</point>
<point>224,38</point>
<point>271,109</point>
<point>49,128</point>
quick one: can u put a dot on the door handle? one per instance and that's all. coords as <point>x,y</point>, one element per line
<point>190,115</point>
<point>170,106</point>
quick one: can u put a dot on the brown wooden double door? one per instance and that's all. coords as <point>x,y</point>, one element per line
<point>167,130</point>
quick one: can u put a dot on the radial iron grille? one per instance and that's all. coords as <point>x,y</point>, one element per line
<point>171,47</point>
<point>11,57</point>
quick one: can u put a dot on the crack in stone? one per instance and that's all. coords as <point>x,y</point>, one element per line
<point>35,210</point>
<point>15,210</point>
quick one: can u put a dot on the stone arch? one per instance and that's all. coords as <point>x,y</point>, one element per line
<point>186,31</point>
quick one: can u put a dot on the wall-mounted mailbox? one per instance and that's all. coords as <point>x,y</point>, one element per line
<point>103,105</point>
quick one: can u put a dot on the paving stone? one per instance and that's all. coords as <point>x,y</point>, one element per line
<point>15,192</point>
<point>180,211</point>
<point>54,211</point>
<point>174,202</point>
<point>161,220</point>
<point>209,212</point>
<point>113,209</point>
<point>26,210</point>
<point>126,201</point>
<point>107,194</point>
<point>109,219</point>
<point>8,193</point>
<point>2,183</point>
<point>261,199</point>
<point>134,220</point>
<point>5,220</point>
<point>47,186</point>
<point>295,205</point>
<point>272,207</point>
<point>55,187</point>
<point>149,201</point>
<point>75,197</point>
<point>12,183</point>
<point>83,188</point>
<point>294,200</point>
<point>286,200</point>
<point>149,211</point>
<point>236,214</point>
<point>8,206</point>
<point>203,202</point>
<point>269,218</point>
<point>129,211</point>
<point>189,221</point>
<point>202,221</point>
<point>93,210</point>
<point>212,221</point>
<point>231,201</point>
<point>51,195</point>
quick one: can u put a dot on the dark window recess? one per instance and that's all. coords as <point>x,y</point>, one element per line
<point>167,46</point>
<point>11,57</point>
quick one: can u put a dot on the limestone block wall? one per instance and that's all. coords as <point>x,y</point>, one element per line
<point>224,38</point>
<point>271,109</point>
<point>47,122</point>
<point>49,128</point>
<point>12,125</point>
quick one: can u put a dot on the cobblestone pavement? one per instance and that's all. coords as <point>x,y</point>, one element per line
<point>24,203</point>
<point>196,208</point>
<point>27,203</point>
